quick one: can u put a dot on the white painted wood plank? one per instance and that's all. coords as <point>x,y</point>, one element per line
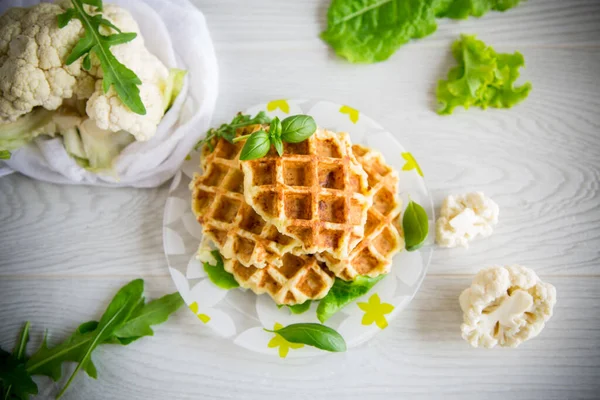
<point>420,355</point>
<point>70,230</point>
<point>282,25</point>
<point>540,161</point>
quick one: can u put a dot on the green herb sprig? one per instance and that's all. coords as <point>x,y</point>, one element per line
<point>415,225</point>
<point>126,319</point>
<point>4,155</point>
<point>122,79</point>
<point>316,335</point>
<point>294,129</point>
<point>228,131</point>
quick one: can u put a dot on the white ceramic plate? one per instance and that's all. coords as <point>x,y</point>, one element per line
<point>241,315</point>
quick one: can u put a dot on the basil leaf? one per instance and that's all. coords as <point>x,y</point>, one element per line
<point>343,293</point>
<point>275,128</point>
<point>218,275</point>
<point>316,335</point>
<point>415,225</point>
<point>257,146</point>
<point>297,128</point>
<point>261,118</point>
<point>4,155</point>
<point>300,308</point>
<point>278,144</point>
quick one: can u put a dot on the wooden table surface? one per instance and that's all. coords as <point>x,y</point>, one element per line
<point>64,250</point>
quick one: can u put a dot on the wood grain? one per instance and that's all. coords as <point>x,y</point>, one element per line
<point>419,355</point>
<point>282,25</point>
<point>64,250</point>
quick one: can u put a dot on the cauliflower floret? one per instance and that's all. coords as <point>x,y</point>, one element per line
<point>505,306</point>
<point>33,50</point>
<point>32,72</point>
<point>106,108</point>
<point>463,217</point>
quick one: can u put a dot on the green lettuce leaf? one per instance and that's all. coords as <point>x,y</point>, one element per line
<point>367,31</point>
<point>482,78</point>
<point>343,293</point>
<point>218,275</point>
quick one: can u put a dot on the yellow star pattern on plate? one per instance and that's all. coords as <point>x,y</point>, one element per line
<point>375,311</point>
<point>202,317</point>
<point>281,104</point>
<point>411,163</point>
<point>353,113</point>
<point>284,345</point>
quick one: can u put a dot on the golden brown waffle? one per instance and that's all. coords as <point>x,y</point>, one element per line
<point>235,228</point>
<point>300,278</point>
<point>316,192</point>
<point>372,256</point>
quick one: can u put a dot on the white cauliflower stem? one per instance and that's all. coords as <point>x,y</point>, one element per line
<point>463,217</point>
<point>505,306</point>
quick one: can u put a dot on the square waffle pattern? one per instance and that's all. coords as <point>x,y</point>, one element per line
<point>372,256</point>
<point>235,228</point>
<point>317,193</point>
<point>298,279</point>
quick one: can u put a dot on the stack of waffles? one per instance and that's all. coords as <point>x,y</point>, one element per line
<point>290,225</point>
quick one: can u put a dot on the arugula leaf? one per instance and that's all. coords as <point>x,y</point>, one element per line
<point>122,79</point>
<point>4,155</point>
<point>48,361</point>
<point>16,381</point>
<point>482,78</point>
<point>343,293</point>
<point>367,31</point>
<point>218,275</point>
<point>415,225</point>
<point>153,313</point>
<point>228,131</point>
<point>300,308</point>
<point>316,335</point>
<point>118,312</point>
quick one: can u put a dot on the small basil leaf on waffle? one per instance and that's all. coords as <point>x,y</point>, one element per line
<point>297,128</point>
<point>278,145</point>
<point>257,146</point>
<point>343,293</point>
<point>316,335</point>
<point>275,128</point>
<point>415,225</point>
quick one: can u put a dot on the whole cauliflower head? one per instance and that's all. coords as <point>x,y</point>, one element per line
<point>463,217</point>
<point>505,306</point>
<point>33,73</point>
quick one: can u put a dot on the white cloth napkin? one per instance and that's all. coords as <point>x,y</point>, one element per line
<point>176,32</point>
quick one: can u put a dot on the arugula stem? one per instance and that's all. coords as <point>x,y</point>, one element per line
<point>240,138</point>
<point>88,353</point>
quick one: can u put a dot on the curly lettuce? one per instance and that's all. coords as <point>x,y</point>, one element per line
<point>368,31</point>
<point>482,78</point>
